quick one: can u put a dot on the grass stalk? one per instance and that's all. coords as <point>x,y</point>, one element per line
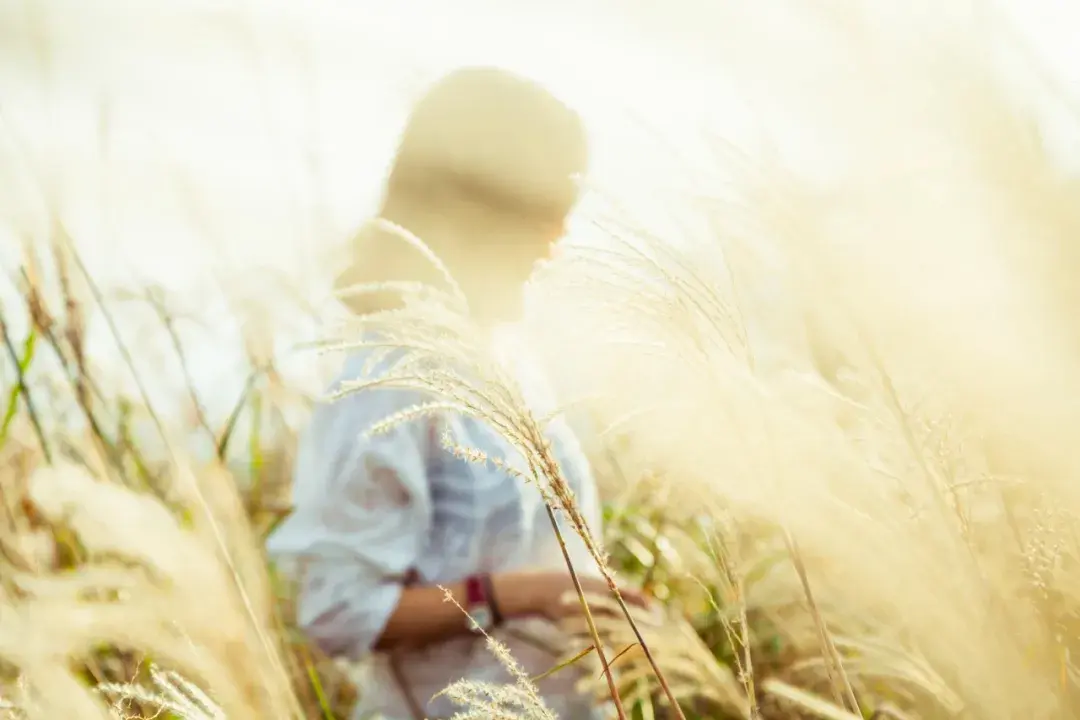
<point>740,640</point>
<point>83,387</point>
<point>169,324</point>
<point>593,632</point>
<point>22,365</point>
<point>551,469</point>
<point>660,678</point>
<point>834,666</point>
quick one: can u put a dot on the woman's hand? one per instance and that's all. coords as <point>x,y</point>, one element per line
<point>552,595</point>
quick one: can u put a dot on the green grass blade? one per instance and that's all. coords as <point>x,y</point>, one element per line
<point>576,658</point>
<point>19,387</point>
<point>316,685</point>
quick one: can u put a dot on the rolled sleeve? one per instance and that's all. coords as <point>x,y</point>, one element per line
<point>343,608</point>
<point>361,520</point>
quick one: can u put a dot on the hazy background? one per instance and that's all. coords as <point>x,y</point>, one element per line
<point>206,145</point>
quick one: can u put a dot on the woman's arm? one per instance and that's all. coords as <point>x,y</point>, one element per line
<point>423,615</point>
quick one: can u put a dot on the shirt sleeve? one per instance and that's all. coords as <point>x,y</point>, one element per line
<point>361,518</point>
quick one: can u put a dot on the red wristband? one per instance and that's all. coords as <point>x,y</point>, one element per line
<point>480,602</point>
<point>475,592</point>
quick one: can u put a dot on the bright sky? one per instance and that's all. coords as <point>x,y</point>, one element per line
<point>274,126</point>
<point>183,138</point>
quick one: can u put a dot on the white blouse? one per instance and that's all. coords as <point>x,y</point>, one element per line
<point>370,510</point>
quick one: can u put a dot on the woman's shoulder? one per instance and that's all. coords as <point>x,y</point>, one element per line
<point>352,397</point>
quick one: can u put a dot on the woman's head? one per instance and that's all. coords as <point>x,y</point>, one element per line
<point>486,174</point>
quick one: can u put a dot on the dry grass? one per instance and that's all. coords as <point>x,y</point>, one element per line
<point>925,494</point>
<point>855,497</point>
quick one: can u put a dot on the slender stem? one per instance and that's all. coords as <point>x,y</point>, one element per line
<point>588,614</point>
<point>222,441</point>
<point>745,664</point>
<point>23,387</point>
<point>845,694</point>
<point>43,323</point>
<point>551,470</point>
<point>170,326</point>
<point>748,661</point>
<point>676,708</point>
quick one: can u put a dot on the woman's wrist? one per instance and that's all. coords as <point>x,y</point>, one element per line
<point>515,594</point>
<point>488,585</point>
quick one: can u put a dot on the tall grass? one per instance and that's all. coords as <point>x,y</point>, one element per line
<point>899,446</point>
<point>854,495</point>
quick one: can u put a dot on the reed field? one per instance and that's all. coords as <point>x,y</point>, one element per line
<point>825,360</point>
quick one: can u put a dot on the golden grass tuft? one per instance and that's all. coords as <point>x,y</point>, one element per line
<point>146,584</point>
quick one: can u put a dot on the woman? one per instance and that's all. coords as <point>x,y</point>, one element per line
<point>485,175</point>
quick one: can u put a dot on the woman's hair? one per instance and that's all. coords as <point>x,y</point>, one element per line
<point>491,144</point>
<point>485,174</point>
